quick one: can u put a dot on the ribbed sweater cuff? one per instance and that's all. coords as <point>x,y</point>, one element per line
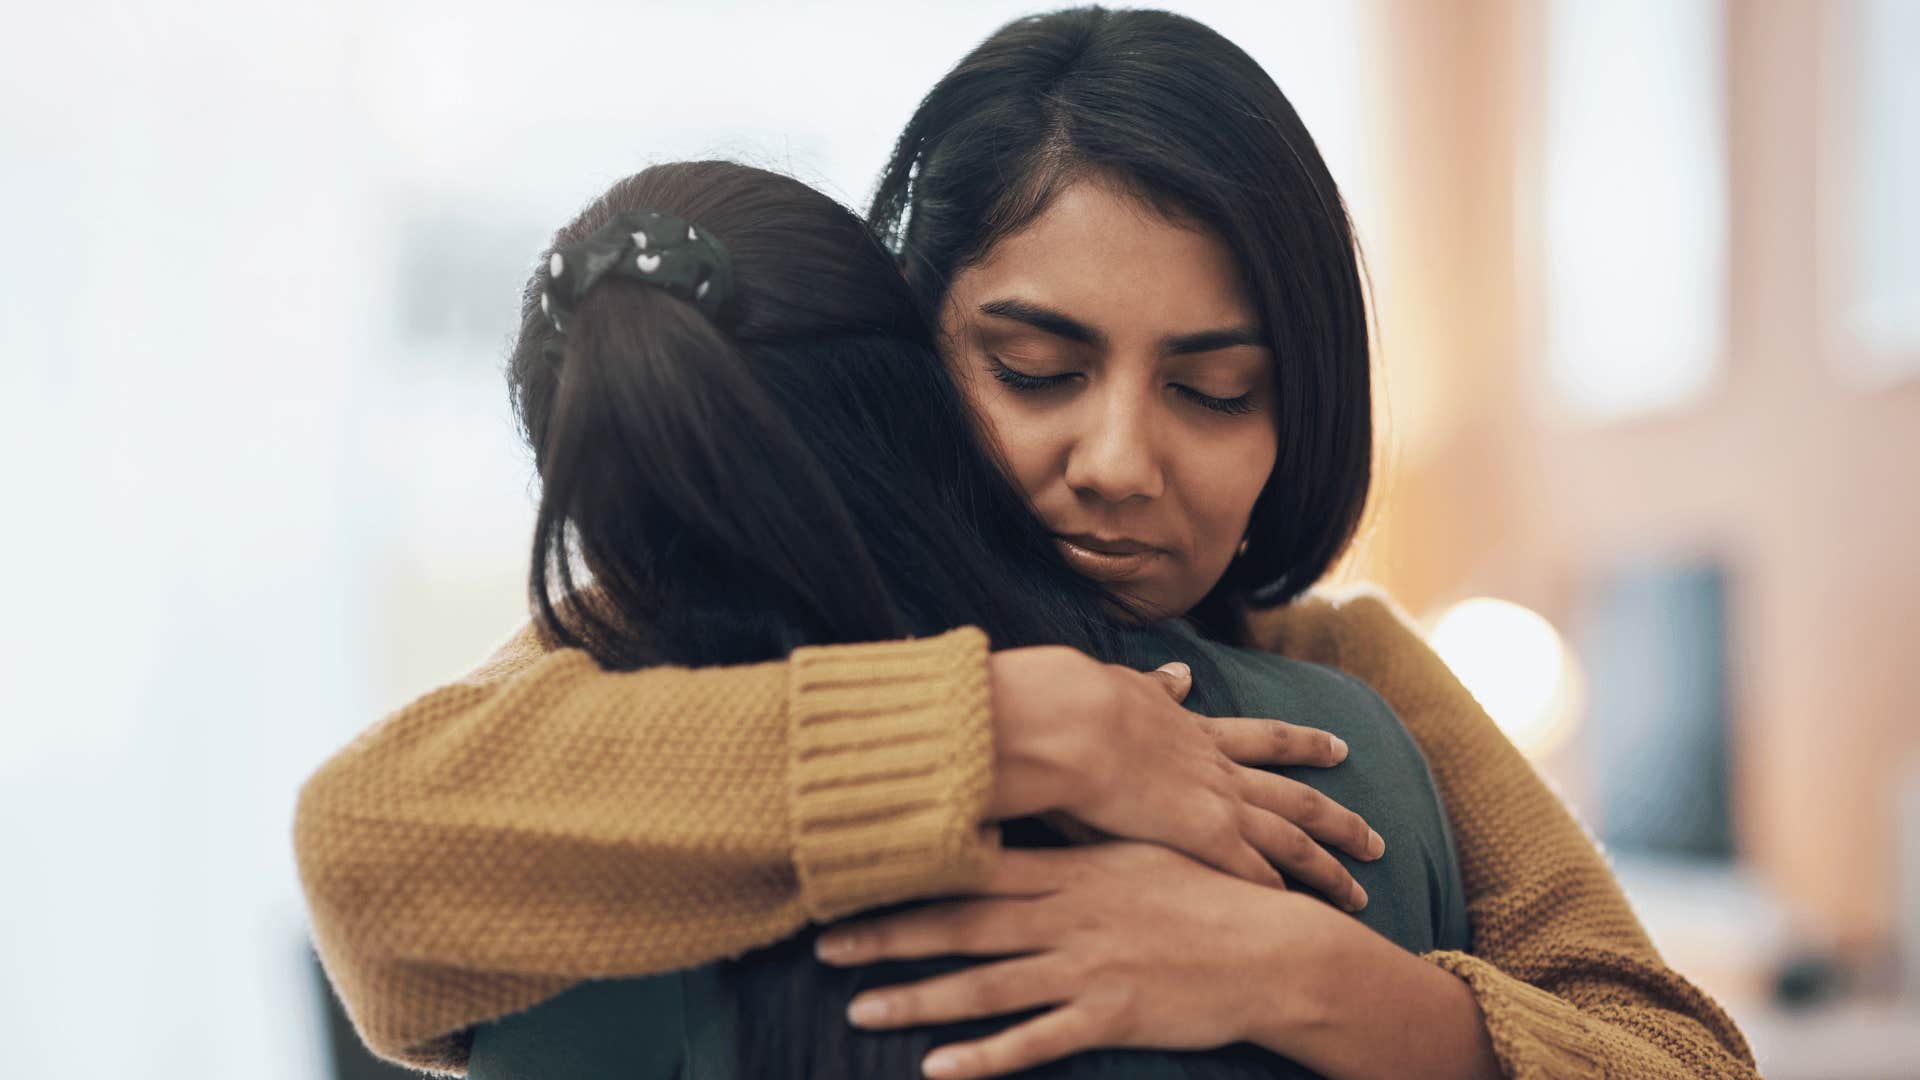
<point>1535,1035</point>
<point>891,768</point>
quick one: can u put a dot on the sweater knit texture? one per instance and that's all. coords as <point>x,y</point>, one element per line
<point>542,822</point>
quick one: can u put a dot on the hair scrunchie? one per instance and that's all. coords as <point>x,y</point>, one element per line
<point>656,249</point>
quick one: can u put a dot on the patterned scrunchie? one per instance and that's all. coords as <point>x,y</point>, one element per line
<point>657,249</point>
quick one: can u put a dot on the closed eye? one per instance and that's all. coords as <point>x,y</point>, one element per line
<point>1233,406</point>
<point>1020,380</point>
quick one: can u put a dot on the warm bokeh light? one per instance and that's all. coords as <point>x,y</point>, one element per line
<point>1518,668</point>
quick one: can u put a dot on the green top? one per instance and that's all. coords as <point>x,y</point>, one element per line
<point>1415,896</point>
<point>674,1025</point>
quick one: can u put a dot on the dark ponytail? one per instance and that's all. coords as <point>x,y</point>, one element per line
<point>678,473</point>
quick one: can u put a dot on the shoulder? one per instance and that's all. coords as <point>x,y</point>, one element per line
<point>520,651</point>
<point>1330,625</point>
<point>1353,708</point>
<point>531,641</point>
<point>1364,633</point>
<point>1268,682</point>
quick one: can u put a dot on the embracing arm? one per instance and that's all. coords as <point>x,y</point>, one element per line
<point>1566,978</point>
<point>543,821</point>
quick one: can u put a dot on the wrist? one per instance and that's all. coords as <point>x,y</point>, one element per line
<point>1039,766</point>
<point>1301,965</point>
<point>1043,760</point>
<point>1349,1003</point>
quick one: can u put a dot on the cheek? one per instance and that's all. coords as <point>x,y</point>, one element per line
<point>1225,479</point>
<point>1009,431</point>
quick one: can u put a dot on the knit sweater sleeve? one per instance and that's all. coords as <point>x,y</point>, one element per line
<point>543,821</point>
<point>1568,981</point>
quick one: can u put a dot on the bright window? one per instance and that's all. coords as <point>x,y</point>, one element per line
<point>1635,205</point>
<point>1880,308</point>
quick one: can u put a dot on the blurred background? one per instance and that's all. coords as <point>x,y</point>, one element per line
<point>1647,283</point>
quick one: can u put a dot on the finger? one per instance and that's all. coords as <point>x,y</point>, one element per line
<point>1316,814</point>
<point>1175,677</point>
<point>957,928</point>
<point>970,994</point>
<point>1049,1037</point>
<point>1249,863</point>
<point>1301,856</point>
<point>1254,741</point>
<point>1219,839</point>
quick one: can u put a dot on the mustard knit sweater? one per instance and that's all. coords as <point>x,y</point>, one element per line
<point>542,822</point>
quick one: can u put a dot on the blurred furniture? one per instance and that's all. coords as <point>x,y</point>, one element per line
<point>1653,638</point>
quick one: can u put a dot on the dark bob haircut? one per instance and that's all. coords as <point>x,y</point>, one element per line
<point>1181,117</point>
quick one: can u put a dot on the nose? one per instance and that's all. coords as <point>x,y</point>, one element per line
<point>1115,456</point>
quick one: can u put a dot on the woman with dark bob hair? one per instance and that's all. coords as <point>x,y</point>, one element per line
<point>1146,292</point>
<point>792,467</point>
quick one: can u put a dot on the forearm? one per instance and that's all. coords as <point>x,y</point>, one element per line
<point>542,826</point>
<point>550,821</point>
<point>1356,1006</point>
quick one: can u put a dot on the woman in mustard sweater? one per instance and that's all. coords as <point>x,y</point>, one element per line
<point>1148,293</point>
<point>810,381</point>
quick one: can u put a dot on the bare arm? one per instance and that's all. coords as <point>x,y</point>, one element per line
<point>1356,1006</point>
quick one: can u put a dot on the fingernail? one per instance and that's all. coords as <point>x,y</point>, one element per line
<point>1339,749</point>
<point>1359,898</point>
<point>868,1011</point>
<point>941,1063</point>
<point>1178,670</point>
<point>1375,844</point>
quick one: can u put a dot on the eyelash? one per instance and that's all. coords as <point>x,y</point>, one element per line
<point>1232,406</point>
<point>1020,380</point>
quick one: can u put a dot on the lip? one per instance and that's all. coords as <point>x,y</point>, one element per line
<point>1118,545</point>
<point>1107,558</point>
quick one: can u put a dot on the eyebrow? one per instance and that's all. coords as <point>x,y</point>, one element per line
<point>1061,325</point>
<point>1046,320</point>
<point>1209,340</point>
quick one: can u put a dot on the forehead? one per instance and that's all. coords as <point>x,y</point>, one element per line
<point>1114,261</point>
